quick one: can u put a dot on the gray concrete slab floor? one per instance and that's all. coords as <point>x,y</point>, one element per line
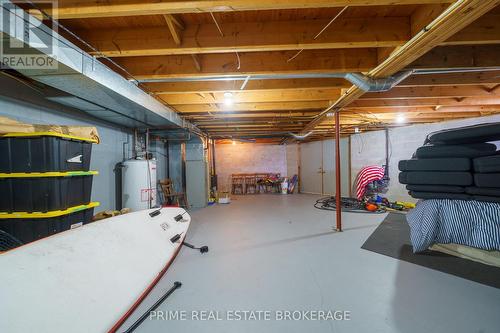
<point>278,253</point>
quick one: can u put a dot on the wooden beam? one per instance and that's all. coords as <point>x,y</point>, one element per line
<point>433,92</point>
<point>464,78</point>
<point>451,79</point>
<point>423,15</point>
<point>263,116</point>
<point>250,37</point>
<point>456,17</point>
<point>463,56</point>
<point>238,107</point>
<point>73,9</point>
<point>253,97</point>
<point>196,61</point>
<point>173,26</point>
<point>387,103</point>
<point>312,61</point>
<point>420,109</point>
<point>161,88</point>
<point>485,30</point>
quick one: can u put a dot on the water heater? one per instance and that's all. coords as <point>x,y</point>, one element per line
<point>139,184</point>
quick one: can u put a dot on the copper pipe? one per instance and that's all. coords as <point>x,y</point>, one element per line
<point>338,194</point>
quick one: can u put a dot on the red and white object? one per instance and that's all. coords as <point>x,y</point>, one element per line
<point>366,176</point>
<point>89,279</point>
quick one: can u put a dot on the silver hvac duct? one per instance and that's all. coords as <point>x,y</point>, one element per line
<point>368,84</point>
<point>362,81</point>
<point>88,84</point>
<point>300,137</point>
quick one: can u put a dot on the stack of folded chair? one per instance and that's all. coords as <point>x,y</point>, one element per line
<point>461,164</point>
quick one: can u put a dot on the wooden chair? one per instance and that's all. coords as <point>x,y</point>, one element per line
<point>250,184</point>
<point>237,182</point>
<point>170,195</point>
<point>261,187</point>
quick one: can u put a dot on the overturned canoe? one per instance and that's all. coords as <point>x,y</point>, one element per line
<point>89,279</point>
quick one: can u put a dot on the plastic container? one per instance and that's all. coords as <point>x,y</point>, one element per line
<point>44,192</point>
<point>44,152</point>
<point>28,227</point>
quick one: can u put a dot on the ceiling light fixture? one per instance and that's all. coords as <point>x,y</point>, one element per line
<point>401,119</point>
<point>228,99</point>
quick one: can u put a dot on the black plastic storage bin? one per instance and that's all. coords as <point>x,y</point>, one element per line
<point>27,228</point>
<point>44,192</point>
<point>44,152</point>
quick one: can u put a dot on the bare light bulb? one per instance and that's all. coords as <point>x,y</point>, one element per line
<point>228,99</point>
<point>400,119</point>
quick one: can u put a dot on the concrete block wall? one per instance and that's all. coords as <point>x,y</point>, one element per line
<point>369,148</point>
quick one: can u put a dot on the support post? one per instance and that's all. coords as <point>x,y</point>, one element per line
<point>338,191</point>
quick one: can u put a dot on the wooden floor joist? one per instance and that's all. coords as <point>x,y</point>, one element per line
<point>163,88</point>
<point>379,32</point>
<point>250,37</point>
<point>433,92</point>
<point>188,59</point>
<point>284,106</point>
<point>312,61</point>
<point>75,9</point>
<point>252,97</point>
<point>452,20</point>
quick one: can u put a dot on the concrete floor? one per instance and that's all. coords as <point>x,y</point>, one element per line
<point>274,252</point>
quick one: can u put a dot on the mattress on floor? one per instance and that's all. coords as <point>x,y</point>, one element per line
<point>471,223</point>
<point>470,253</point>
<point>466,150</point>
<point>436,164</point>
<point>468,134</point>
<point>439,195</point>
<point>487,179</point>
<point>436,188</point>
<point>487,164</point>
<point>435,178</point>
<point>488,191</point>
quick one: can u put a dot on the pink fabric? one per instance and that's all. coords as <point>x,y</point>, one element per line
<point>366,176</point>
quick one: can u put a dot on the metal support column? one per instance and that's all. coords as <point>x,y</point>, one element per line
<point>338,192</point>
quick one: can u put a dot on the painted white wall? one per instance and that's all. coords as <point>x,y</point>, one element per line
<point>292,159</point>
<point>369,148</point>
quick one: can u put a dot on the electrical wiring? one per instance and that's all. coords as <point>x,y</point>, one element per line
<point>319,33</point>
<point>350,205</point>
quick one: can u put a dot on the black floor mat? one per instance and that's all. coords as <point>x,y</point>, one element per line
<point>392,238</point>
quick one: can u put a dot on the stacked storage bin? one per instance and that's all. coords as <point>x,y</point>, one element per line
<point>459,164</point>
<point>45,184</point>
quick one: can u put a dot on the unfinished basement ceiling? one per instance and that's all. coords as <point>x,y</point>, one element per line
<point>176,49</point>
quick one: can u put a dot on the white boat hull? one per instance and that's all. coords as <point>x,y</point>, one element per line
<point>88,279</point>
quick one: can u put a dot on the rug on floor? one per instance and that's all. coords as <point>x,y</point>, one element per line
<point>392,238</point>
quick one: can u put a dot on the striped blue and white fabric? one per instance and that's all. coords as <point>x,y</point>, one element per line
<point>470,223</point>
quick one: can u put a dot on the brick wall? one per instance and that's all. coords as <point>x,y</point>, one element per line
<point>248,158</point>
